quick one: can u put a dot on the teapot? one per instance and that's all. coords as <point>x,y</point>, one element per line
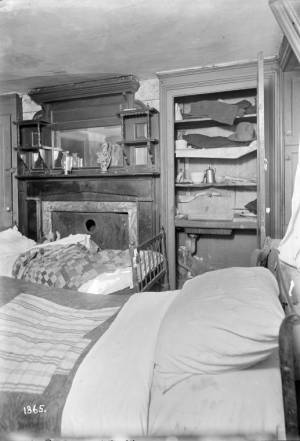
<point>210,175</point>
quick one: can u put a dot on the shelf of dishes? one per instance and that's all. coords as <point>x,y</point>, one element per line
<point>46,158</point>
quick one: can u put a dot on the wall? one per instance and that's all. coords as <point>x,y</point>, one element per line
<point>29,107</point>
<point>149,92</point>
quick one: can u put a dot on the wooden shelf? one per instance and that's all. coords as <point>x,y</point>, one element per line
<point>204,120</point>
<point>138,142</point>
<point>32,123</point>
<point>236,224</point>
<point>88,173</point>
<point>37,148</point>
<point>216,153</point>
<point>134,111</point>
<point>217,184</point>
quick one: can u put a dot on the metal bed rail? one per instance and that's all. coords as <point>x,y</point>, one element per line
<point>149,263</point>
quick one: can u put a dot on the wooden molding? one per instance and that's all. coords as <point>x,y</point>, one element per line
<point>289,22</point>
<point>285,52</point>
<point>215,78</point>
<point>122,84</point>
<point>232,66</point>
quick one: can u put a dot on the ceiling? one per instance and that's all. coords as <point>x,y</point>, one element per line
<point>44,42</point>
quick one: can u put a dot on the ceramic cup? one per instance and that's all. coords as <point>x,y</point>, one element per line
<point>197,177</point>
<point>181,144</point>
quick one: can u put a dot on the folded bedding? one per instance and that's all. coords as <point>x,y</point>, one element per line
<point>45,335</point>
<point>107,364</point>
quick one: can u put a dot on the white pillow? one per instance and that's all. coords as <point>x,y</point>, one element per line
<point>107,283</point>
<point>84,239</point>
<point>223,320</point>
<point>12,243</point>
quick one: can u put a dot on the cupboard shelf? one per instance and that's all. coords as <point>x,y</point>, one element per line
<point>217,184</point>
<point>236,224</point>
<point>193,121</point>
<point>216,153</point>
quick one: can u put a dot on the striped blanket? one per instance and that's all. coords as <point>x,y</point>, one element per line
<point>44,335</point>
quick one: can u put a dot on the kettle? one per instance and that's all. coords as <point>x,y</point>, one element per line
<point>210,175</point>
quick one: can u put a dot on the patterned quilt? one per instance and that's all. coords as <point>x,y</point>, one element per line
<point>67,266</point>
<point>45,333</point>
<point>71,266</point>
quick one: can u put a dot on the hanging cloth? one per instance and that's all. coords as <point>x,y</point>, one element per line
<point>289,246</point>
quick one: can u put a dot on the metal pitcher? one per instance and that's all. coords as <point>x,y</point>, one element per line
<point>210,175</point>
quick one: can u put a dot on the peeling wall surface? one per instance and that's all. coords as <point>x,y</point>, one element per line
<point>48,42</point>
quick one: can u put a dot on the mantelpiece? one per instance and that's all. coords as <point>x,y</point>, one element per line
<point>84,118</point>
<point>90,109</point>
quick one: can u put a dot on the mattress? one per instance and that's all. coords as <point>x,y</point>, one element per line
<point>246,401</point>
<point>123,361</point>
<point>111,389</point>
<point>201,404</point>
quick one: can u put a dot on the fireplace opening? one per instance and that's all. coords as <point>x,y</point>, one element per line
<point>90,225</point>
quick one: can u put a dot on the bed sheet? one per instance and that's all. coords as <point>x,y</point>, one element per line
<point>109,282</point>
<point>119,271</point>
<point>194,405</point>
<point>123,363</point>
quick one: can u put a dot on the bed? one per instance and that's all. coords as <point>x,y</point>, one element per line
<point>96,250</point>
<point>200,361</point>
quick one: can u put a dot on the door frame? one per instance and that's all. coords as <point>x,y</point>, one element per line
<point>11,105</point>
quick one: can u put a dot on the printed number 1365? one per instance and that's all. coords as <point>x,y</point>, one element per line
<point>34,409</point>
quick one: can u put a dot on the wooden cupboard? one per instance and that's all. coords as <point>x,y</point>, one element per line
<point>204,231</point>
<point>10,110</point>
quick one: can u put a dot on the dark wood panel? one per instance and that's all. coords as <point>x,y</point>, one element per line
<point>89,189</point>
<point>88,112</point>
<point>108,230</point>
<point>10,109</point>
<point>142,190</point>
<point>127,84</point>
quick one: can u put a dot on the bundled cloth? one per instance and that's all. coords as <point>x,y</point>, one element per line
<point>243,135</point>
<point>289,247</point>
<point>218,110</point>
